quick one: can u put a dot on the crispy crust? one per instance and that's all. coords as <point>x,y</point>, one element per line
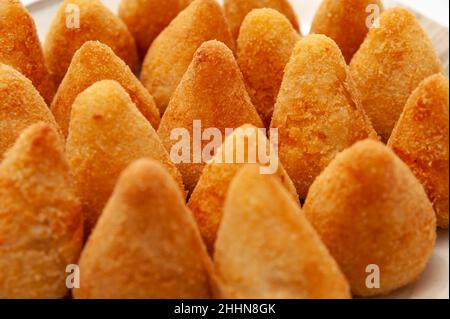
<point>344,21</point>
<point>208,198</point>
<point>20,47</point>
<point>264,47</point>
<point>41,225</point>
<point>106,134</point>
<point>94,62</point>
<point>237,10</point>
<point>97,23</point>
<point>146,244</point>
<point>20,106</point>
<point>171,53</point>
<point>266,247</point>
<point>421,140</point>
<point>390,64</point>
<point>213,91</point>
<point>147,18</point>
<point>369,208</point>
<point>318,111</point>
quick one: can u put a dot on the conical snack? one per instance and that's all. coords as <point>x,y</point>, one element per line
<point>347,22</point>
<point>374,217</point>
<point>318,112</point>
<point>171,53</point>
<point>211,94</point>
<point>421,140</point>
<point>41,225</point>
<point>106,134</point>
<point>392,61</point>
<point>265,45</point>
<point>95,62</point>
<point>237,10</point>
<point>20,47</point>
<point>208,198</point>
<point>146,244</point>
<point>79,21</point>
<point>147,18</point>
<point>20,106</point>
<point>266,247</point>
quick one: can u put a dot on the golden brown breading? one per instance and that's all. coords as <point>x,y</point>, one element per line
<point>208,198</point>
<point>318,111</point>
<point>390,64</point>
<point>94,62</point>
<point>264,47</point>
<point>41,225</point>
<point>213,92</point>
<point>345,21</point>
<point>106,134</point>
<point>266,247</point>
<point>369,209</point>
<point>96,23</point>
<point>237,10</point>
<point>147,18</point>
<point>20,106</point>
<point>421,140</point>
<point>146,243</point>
<point>171,53</point>
<point>20,47</point>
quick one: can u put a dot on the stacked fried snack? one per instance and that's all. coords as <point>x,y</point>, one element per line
<point>87,175</point>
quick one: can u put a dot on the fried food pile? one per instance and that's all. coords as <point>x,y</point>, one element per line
<point>243,160</point>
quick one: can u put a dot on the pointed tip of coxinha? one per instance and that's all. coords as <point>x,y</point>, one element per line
<point>266,248</point>
<point>146,244</point>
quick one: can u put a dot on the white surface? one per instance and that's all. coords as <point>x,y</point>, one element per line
<point>434,283</point>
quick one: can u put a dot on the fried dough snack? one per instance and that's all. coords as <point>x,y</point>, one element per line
<point>390,64</point>
<point>318,111</point>
<point>106,134</point>
<point>96,23</point>
<point>147,18</point>
<point>264,47</point>
<point>369,209</point>
<point>213,92</point>
<point>20,47</point>
<point>41,225</point>
<point>208,198</point>
<point>266,247</point>
<point>237,10</point>
<point>20,106</point>
<point>171,53</point>
<point>146,243</point>
<point>421,140</point>
<point>346,22</point>
<point>94,62</point>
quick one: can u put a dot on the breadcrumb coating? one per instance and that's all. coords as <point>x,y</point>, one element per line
<point>421,140</point>
<point>41,225</point>
<point>147,18</point>
<point>20,47</point>
<point>146,244</point>
<point>94,62</point>
<point>106,134</point>
<point>171,53</point>
<point>96,23</point>
<point>369,209</point>
<point>20,106</point>
<point>266,247</point>
<point>318,111</point>
<point>237,10</point>
<point>346,22</point>
<point>390,64</point>
<point>264,47</point>
<point>213,92</point>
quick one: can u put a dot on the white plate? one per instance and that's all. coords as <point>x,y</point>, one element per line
<point>434,283</point>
